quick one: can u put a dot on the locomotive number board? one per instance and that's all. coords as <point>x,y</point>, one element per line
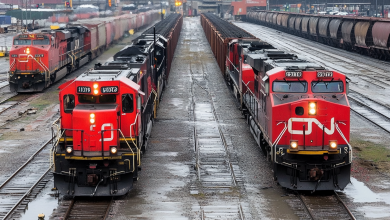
<point>324,74</point>
<point>83,89</point>
<point>109,89</point>
<point>293,74</point>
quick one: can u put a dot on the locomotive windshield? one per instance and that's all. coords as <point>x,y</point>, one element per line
<point>22,42</point>
<point>289,86</point>
<point>41,42</point>
<point>327,86</point>
<point>103,99</point>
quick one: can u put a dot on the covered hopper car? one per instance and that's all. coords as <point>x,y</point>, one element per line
<point>364,35</point>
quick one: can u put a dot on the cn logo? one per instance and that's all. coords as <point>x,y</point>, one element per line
<point>109,126</point>
<point>310,122</point>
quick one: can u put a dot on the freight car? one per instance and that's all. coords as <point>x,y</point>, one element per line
<point>364,35</point>
<point>106,116</point>
<point>37,60</point>
<point>298,111</point>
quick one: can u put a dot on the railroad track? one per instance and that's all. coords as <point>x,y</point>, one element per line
<point>373,111</point>
<point>325,207</point>
<point>367,108</point>
<point>215,170</point>
<point>342,56</point>
<point>337,54</point>
<point>3,83</point>
<point>89,208</point>
<point>25,183</point>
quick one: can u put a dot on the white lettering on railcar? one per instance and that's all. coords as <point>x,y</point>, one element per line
<point>309,125</point>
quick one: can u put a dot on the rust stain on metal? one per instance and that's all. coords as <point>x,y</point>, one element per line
<point>298,22</point>
<point>305,22</point>
<point>380,33</point>
<point>346,30</point>
<point>323,27</point>
<point>313,25</point>
<point>334,27</point>
<point>361,29</point>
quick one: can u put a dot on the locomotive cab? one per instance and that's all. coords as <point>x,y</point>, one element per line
<point>98,151</point>
<point>303,113</point>
<point>29,56</point>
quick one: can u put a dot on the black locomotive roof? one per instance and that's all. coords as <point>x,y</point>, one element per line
<point>109,74</point>
<point>294,64</point>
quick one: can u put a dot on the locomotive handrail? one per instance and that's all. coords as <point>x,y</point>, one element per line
<point>131,126</point>
<point>227,58</point>
<point>342,135</point>
<point>138,151</point>
<point>119,131</point>
<point>279,137</point>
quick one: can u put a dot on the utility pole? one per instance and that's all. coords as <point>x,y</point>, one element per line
<point>383,8</point>
<point>376,7</point>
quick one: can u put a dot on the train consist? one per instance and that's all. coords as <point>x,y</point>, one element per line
<point>365,35</point>
<point>106,115</point>
<point>37,60</point>
<point>297,110</point>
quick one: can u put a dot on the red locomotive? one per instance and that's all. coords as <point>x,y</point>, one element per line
<point>298,111</point>
<point>37,60</point>
<point>106,117</point>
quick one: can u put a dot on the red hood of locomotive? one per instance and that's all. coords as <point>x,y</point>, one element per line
<point>319,128</point>
<point>33,62</point>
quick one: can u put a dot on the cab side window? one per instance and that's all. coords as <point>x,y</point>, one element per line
<point>127,103</point>
<point>69,103</point>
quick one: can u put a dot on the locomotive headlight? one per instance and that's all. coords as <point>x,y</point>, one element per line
<point>69,150</point>
<point>28,50</point>
<point>92,118</point>
<point>95,86</point>
<point>293,145</point>
<point>332,145</point>
<point>95,91</point>
<point>113,150</point>
<point>312,108</point>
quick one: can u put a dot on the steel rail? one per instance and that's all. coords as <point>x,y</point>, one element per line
<point>306,207</point>
<point>108,209</point>
<point>378,125</point>
<point>26,194</point>
<point>72,204</point>
<point>25,164</point>
<point>344,205</point>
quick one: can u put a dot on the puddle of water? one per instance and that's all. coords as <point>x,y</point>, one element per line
<point>178,169</point>
<point>44,203</point>
<point>374,212</point>
<point>359,192</point>
<point>176,102</point>
<point>164,154</point>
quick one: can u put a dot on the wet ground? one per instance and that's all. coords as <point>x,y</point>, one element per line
<point>371,176</point>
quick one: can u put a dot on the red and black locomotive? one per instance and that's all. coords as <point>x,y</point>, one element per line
<point>37,60</point>
<point>106,117</point>
<point>298,111</point>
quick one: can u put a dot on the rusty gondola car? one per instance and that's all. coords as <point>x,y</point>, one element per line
<point>365,35</point>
